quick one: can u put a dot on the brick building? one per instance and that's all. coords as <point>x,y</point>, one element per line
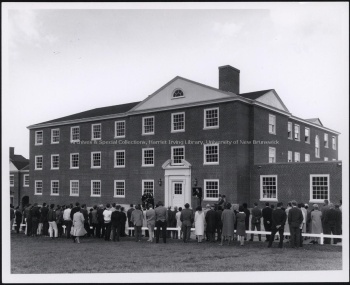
<point>247,146</point>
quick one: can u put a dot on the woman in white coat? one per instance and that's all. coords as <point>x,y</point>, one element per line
<point>78,229</point>
<point>199,221</point>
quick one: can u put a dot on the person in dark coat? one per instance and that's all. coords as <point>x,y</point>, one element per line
<point>116,219</point>
<point>247,216</point>
<point>218,213</point>
<point>255,221</point>
<point>28,219</point>
<point>267,216</point>
<point>170,221</point>
<point>43,219</point>
<point>241,225</point>
<point>130,223</point>
<point>101,222</point>
<point>279,218</point>
<point>18,218</point>
<point>187,219</point>
<point>330,221</point>
<point>211,219</point>
<point>35,214</point>
<point>295,221</point>
<point>123,221</point>
<point>338,224</point>
<point>85,213</point>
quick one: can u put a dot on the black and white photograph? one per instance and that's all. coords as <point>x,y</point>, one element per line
<point>175,142</point>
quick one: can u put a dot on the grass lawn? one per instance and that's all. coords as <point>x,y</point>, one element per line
<point>93,255</point>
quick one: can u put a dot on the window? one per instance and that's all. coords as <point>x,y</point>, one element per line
<point>307,135</point>
<point>55,187</point>
<point>319,187</point>
<point>211,118</point>
<point>38,162</point>
<point>148,187</point>
<point>290,130</point>
<point>211,154</point>
<point>178,122</point>
<point>297,157</point>
<point>95,188</point>
<point>148,157</point>
<point>325,158</point>
<point>96,159</point>
<point>317,147</point>
<point>148,125</point>
<point>74,160</point>
<point>119,129</point>
<point>272,155</point>
<point>55,135</point>
<point>12,180</point>
<point>268,187</point>
<point>38,187</point>
<point>39,138</point>
<point>334,143</point>
<point>326,140</point>
<point>177,154</point>
<point>272,124</point>
<point>290,156</point>
<point>119,158</point>
<point>119,188</point>
<point>297,132</point>
<point>75,134</point>
<point>307,157</point>
<point>55,161</point>
<point>211,189</point>
<point>74,188</point>
<point>96,131</point>
<point>178,93</point>
<point>26,180</point>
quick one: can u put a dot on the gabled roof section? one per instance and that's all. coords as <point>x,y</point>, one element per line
<point>19,161</point>
<point>255,95</point>
<point>194,92</point>
<point>316,121</point>
<point>267,97</point>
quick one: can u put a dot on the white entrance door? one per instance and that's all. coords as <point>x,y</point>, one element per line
<point>178,193</point>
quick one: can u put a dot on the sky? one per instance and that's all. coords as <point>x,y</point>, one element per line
<point>57,62</point>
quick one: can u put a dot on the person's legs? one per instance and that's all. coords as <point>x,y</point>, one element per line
<point>164,226</point>
<point>113,232</point>
<point>272,237</point>
<point>184,233</point>
<point>188,233</point>
<point>292,236</point>
<point>281,232</point>
<point>252,226</point>
<point>158,225</point>
<point>51,229</point>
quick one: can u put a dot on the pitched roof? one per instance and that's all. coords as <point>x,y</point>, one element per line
<point>254,95</point>
<point>110,110</point>
<point>315,121</point>
<point>19,161</point>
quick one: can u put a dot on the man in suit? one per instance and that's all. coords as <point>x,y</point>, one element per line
<point>35,214</point>
<point>256,221</point>
<point>43,219</point>
<point>210,219</point>
<point>130,223</point>
<point>279,218</point>
<point>324,209</point>
<point>247,216</point>
<point>86,219</point>
<point>267,216</point>
<point>187,219</point>
<point>116,220</point>
<point>218,213</point>
<point>101,221</point>
<point>161,221</point>
<point>330,221</point>
<point>295,221</point>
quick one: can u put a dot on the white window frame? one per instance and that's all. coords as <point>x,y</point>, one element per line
<point>143,185</point>
<point>309,139</point>
<point>307,156</point>
<point>92,160</point>
<point>42,162</point>
<point>205,119</point>
<point>205,189</point>
<point>36,187</point>
<point>172,122</point>
<point>273,124</point>
<point>297,127</point>
<point>12,180</point>
<point>296,156</point>
<point>317,154</point>
<point>24,180</point>
<point>55,168</point>
<point>115,159</point>
<point>143,157</point>
<point>325,158</point>
<point>115,189</point>
<point>329,187</point>
<point>92,132</point>
<point>55,194</point>
<point>178,97</point>
<point>71,134</point>
<point>290,156</point>
<point>274,157</point>
<point>261,188</point>
<point>326,141</point>
<point>334,143</point>
<point>290,137</point>
<point>172,154</point>
<point>115,129</point>
<point>70,188</point>
<point>205,162</point>
<point>71,161</point>
<point>92,183</point>
<point>143,126</point>
<point>52,136</point>
<point>36,137</point>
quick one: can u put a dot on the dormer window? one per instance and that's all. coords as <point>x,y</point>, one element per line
<point>178,93</point>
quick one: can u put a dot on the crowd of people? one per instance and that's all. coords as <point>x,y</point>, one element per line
<point>218,222</point>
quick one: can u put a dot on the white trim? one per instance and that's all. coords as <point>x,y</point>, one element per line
<point>55,194</point>
<point>143,126</point>
<point>172,94</point>
<point>309,140</point>
<point>70,160</point>
<point>334,143</point>
<point>92,132</point>
<point>295,127</point>
<point>24,180</point>
<point>306,154</point>
<point>115,129</point>
<point>71,133</point>
<point>172,122</point>
<point>317,138</point>
<point>70,188</point>
<point>92,160</point>
<point>42,137</point>
<point>274,124</point>
<point>325,158</point>
<point>274,156</point>
<point>95,195</point>
<point>205,189</point>
<point>290,156</point>
<point>35,162</point>
<point>205,156</point>
<point>143,157</point>
<point>326,140</point>
<point>291,130</point>
<point>55,168</point>
<point>172,155</point>
<point>59,135</point>
<point>13,180</point>
<point>143,184</point>
<point>329,188</point>
<point>261,189</point>
<point>35,187</point>
<point>115,160</point>
<point>119,196</point>
<point>205,127</point>
<point>295,156</point>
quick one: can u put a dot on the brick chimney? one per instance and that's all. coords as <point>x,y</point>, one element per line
<point>12,152</point>
<point>229,79</point>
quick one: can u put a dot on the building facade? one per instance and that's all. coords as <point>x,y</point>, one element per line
<point>247,146</point>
